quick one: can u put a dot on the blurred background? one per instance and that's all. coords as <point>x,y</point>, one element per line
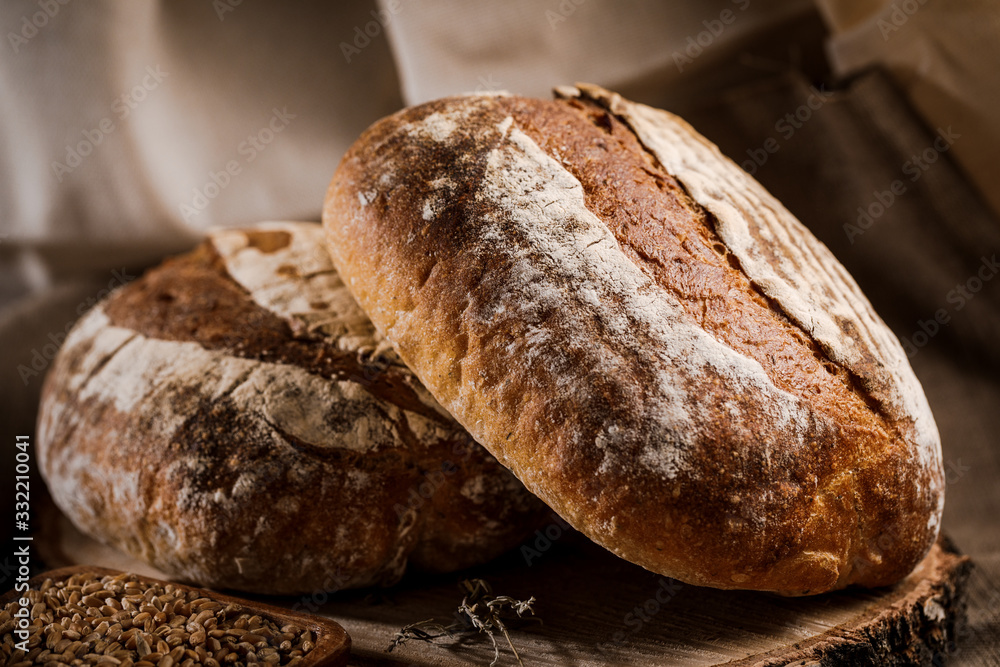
<point>129,128</point>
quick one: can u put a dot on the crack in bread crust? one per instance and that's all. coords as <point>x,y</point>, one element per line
<point>673,238</point>
<point>208,307</point>
<point>791,267</point>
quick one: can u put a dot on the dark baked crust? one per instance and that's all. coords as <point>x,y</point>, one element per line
<point>577,309</point>
<point>192,298</point>
<point>229,443</point>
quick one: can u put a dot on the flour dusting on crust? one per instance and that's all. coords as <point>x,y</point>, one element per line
<point>238,471</point>
<point>793,268</point>
<point>573,264</point>
<point>584,365</point>
<point>787,262</point>
<point>296,281</point>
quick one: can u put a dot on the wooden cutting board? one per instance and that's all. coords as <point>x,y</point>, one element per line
<point>597,609</point>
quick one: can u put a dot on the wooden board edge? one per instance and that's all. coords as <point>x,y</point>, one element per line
<point>915,625</point>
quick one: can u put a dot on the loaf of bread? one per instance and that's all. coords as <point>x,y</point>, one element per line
<point>233,418</point>
<point>649,340</point>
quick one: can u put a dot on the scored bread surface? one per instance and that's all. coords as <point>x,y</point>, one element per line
<point>653,344</point>
<point>233,418</point>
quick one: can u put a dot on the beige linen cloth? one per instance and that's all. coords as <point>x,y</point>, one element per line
<point>128,128</point>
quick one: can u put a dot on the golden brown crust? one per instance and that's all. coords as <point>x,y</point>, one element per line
<point>573,306</point>
<point>272,449</point>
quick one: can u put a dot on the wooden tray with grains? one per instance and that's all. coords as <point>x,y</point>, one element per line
<point>95,615</point>
<point>596,609</point>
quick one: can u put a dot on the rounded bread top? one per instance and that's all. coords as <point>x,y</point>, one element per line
<point>651,342</point>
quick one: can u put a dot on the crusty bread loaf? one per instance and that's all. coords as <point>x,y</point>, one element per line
<point>233,418</point>
<point>651,342</point>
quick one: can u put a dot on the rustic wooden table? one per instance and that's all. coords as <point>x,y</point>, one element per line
<point>597,609</point>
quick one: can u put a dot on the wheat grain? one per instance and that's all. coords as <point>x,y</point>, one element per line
<point>123,621</point>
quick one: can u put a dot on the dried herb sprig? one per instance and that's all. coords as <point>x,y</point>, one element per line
<point>479,611</point>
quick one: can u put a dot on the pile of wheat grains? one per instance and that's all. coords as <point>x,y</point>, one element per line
<point>124,621</point>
